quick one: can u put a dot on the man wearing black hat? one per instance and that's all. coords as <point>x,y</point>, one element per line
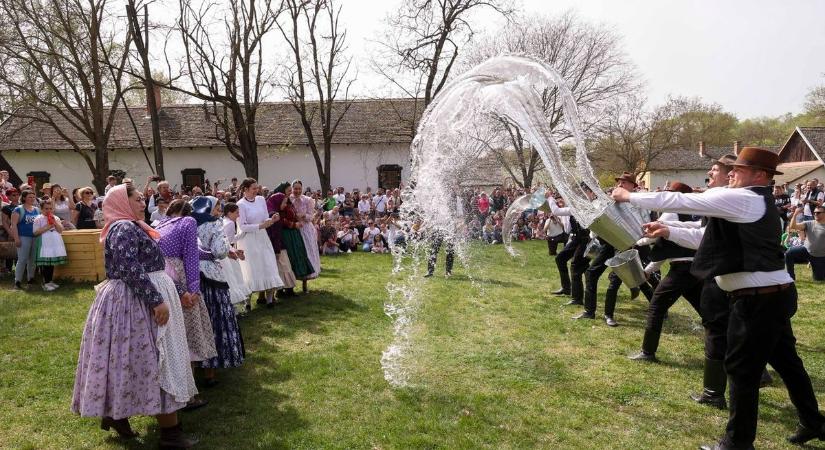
<point>598,267</point>
<point>741,250</point>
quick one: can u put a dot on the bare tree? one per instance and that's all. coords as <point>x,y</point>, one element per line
<point>588,57</point>
<point>634,137</point>
<point>223,65</point>
<point>62,60</point>
<point>141,41</point>
<point>422,42</point>
<point>317,78</point>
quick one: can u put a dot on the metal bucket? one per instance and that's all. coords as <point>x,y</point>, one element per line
<point>592,249</point>
<point>628,267</point>
<point>619,225</point>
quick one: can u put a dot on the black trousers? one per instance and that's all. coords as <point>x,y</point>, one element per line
<point>573,250</point>
<point>437,241</point>
<point>715,310</point>
<point>759,332</point>
<point>677,283</point>
<point>554,241</point>
<point>591,280</point>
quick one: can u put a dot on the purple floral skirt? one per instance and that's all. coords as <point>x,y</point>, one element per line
<point>118,370</point>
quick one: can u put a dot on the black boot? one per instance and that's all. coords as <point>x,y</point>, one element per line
<point>650,343</point>
<point>120,425</point>
<point>174,438</point>
<point>715,381</point>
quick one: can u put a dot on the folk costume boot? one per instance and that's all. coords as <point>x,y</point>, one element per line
<point>715,381</point>
<point>650,343</point>
<point>122,427</point>
<point>174,438</point>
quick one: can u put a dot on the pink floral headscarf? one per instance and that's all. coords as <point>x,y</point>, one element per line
<point>116,208</point>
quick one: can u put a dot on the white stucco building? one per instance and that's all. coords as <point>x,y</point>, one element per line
<point>370,147</point>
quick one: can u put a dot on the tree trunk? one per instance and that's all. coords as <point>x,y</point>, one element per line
<point>101,171</point>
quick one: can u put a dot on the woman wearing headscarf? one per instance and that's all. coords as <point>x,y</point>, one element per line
<point>259,266</point>
<point>275,232</point>
<point>133,356</point>
<point>179,244</point>
<point>228,341</point>
<point>304,212</point>
<point>238,289</point>
<point>292,240</point>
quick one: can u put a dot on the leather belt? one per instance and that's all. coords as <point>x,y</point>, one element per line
<point>749,292</point>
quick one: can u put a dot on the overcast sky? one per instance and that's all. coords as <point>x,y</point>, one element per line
<point>754,57</point>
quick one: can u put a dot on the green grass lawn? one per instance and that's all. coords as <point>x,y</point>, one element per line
<point>498,364</point>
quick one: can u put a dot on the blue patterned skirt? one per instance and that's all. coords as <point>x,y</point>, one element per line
<point>228,339</point>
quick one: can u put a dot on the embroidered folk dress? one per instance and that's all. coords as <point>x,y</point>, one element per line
<point>238,289</point>
<point>50,250</point>
<point>215,289</point>
<point>179,244</point>
<point>128,365</point>
<point>304,210</point>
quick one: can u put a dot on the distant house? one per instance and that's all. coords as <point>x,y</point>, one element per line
<point>801,156</point>
<point>370,147</point>
<point>685,165</point>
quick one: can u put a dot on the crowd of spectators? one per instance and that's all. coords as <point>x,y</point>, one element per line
<point>365,220</point>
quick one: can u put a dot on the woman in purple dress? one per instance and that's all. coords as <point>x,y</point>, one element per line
<point>179,244</point>
<point>133,356</point>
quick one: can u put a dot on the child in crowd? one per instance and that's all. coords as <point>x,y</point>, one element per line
<point>487,231</point>
<point>378,244</point>
<point>50,250</point>
<point>159,214</point>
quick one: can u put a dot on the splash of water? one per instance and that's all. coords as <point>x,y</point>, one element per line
<point>458,131</point>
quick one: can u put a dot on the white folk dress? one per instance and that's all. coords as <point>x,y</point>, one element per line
<point>259,268</point>
<point>50,248</point>
<point>238,289</point>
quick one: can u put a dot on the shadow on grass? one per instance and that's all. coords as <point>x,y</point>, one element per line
<point>311,312</point>
<point>486,281</point>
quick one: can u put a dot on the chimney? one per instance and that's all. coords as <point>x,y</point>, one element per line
<point>156,91</point>
<point>702,149</point>
<point>736,145</point>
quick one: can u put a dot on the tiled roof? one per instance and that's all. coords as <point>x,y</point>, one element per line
<point>689,159</point>
<point>794,171</point>
<point>816,137</point>
<point>382,121</point>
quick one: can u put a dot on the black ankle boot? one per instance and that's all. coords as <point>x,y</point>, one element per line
<point>174,438</point>
<point>122,427</point>
<point>650,343</point>
<point>715,381</point>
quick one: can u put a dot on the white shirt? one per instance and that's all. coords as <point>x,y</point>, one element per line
<point>364,206</point>
<point>737,205</point>
<point>369,234</point>
<point>820,196</point>
<point>252,214</point>
<point>380,202</point>
<point>339,198</point>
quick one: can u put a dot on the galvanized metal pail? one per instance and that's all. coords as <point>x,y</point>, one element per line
<point>628,267</point>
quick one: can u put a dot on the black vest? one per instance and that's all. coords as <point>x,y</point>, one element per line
<point>729,247</point>
<point>577,232</point>
<point>664,249</point>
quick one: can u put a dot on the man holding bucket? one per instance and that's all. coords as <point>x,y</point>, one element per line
<point>741,250</point>
<point>597,267</point>
<point>678,281</point>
